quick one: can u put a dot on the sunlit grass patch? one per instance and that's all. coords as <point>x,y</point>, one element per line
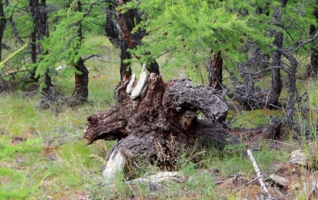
<point>254,118</point>
<point>18,161</point>
<point>14,184</point>
<point>312,91</point>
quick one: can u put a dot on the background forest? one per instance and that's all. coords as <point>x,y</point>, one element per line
<point>63,60</point>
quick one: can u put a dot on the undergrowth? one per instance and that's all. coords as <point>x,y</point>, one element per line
<point>43,155</point>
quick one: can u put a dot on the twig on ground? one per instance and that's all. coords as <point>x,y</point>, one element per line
<point>258,172</point>
<point>131,189</point>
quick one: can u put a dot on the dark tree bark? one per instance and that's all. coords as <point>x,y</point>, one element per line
<point>80,93</point>
<point>33,53</point>
<point>314,50</point>
<point>33,47</point>
<point>273,97</point>
<point>119,28</point>
<point>3,23</point>
<point>276,75</point>
<point>39,16</point>
<point>215,71</point>
<point>125,69</point>
<point>291,72</point>
<point>161,123</point>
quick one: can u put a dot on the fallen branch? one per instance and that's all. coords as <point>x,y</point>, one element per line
<point>258,172</point>
<point>159,178</point>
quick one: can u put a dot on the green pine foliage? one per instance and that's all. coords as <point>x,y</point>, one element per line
<point>187,30</point>
<point>64,45</point>
<point>296,20</point>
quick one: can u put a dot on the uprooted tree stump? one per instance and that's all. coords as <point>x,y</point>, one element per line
<point>157,122</point>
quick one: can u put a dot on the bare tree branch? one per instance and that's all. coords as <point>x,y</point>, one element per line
<point>315,37</point>
<point>259,176</point>
<point>91,56</point>
<point>264,70</point>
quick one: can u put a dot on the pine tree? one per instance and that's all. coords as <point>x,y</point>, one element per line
<point>41,30</point>
<point>66,44</point>
<point>3,23</point>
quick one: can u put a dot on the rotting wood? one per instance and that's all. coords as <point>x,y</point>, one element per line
<point>161,125</point>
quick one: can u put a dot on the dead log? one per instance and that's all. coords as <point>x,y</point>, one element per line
<point>159,123</point>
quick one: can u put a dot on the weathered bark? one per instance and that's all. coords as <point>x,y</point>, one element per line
<point>39,16</point>
<point>80,93</point>
<point>273,97</point>
<point>33,53</point>
<point>119,28</point>
<point>291,72</point>
<point>161,122</point>
<point>3,22</point>
<point>314,51</point>
<point>215,71</point>
<point>276,76</point>
<point>33,47</point>
<point>125,69</point>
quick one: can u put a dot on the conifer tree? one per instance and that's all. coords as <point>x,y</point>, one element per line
<point>41,30</point>
<point>187,30</point>
<point>119,29</point>
<point>65,44</point>
<point>80,93</point>
<point>3,23</point>
<point>277,84</point>
<point>314,49</point>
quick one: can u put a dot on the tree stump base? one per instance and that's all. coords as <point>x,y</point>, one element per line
<point>157,122</point>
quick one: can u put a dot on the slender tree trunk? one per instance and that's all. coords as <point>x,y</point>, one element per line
<point>3,22</point>
<point>125,69</point>
<point>33,46</point>
<point>33,53</point>
<point>215,71</point>
<point>119,28</point>
<point>291,72</point>
<point>276,75</point>
<point>39,16</point>
<point>81,82</point>
<point>277,85</point>
<point>80,93</point>
<point>314,50</point>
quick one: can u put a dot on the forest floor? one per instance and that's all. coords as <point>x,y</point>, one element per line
<point>43,154</point>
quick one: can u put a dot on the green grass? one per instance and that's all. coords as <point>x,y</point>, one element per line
<point>55,162</point>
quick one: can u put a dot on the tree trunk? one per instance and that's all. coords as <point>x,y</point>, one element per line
<point>80,93</point>
<point>160,124</point>
<point>273,97</point>
<point>291,72</point>
<point>125,69</point>
<point>119,28</point>
<point>314,51</point>
<point>33,53</point>
<point>39,16</point>
<point>33,47</point>
<point>3,22</point>
<point>215,71</point>
<point>276,76</point>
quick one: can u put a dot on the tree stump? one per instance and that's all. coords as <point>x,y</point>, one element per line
<point>157,122</point>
